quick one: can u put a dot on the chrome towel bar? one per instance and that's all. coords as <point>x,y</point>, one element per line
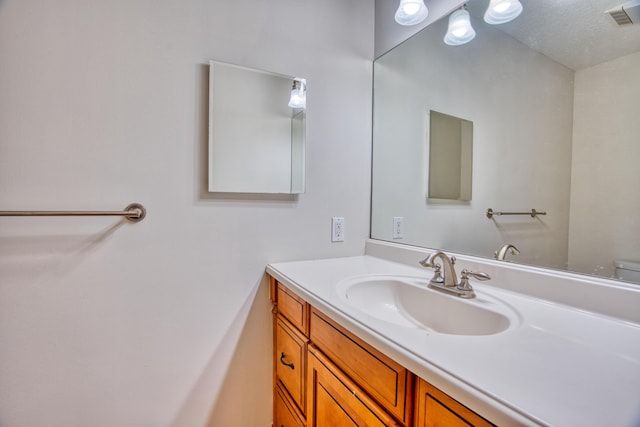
<point>533,213</point>
<point>134,212</point>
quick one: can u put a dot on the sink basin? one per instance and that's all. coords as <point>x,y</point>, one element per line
<point>408,302</point>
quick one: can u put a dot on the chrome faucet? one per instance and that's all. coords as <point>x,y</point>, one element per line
<point>450,278</point>
<point>449,281</point>
<point>501,254</point>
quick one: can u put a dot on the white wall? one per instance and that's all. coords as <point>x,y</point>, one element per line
<point>506,90</point>
<point>605,199</point>
<point>165,322</point>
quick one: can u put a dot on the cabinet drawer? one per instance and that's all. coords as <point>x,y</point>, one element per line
<point>435,408</point>
<point>335,400</point>
<point>290,360</point>
<point>294,308</point>
<point>285,413</point>
<point>390,384</point>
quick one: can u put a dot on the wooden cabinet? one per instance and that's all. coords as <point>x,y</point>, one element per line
<point>290,354</point>
<point>436,409</point>
<point>385,380</point>
<point>285,414</point>
<point>293,308</point>
<point>324,376</point>
<point>290,332</point>
<point>335,400</point>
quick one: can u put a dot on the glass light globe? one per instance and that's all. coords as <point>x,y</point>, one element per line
<point>501,11</point>
<point>460,30</point>
<point>298,98</point>
<point>411,12</point>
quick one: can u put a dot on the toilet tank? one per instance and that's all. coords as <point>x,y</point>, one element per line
<point>628,270</point>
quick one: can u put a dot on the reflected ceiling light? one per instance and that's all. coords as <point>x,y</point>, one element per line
<point>460,30</point>
<point>501,11</point>
<point>411,12</point>
<point>298,97</point>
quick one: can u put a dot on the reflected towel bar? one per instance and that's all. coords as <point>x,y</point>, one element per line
<point>135,212</point>
<point>533,213</point>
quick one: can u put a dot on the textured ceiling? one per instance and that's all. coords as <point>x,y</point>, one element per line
<point>575,33</point>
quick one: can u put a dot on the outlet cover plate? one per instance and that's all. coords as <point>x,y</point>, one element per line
<point>337,229</point>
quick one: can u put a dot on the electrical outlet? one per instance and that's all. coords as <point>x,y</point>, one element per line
<point>337,229</point>
<point>398,231</point>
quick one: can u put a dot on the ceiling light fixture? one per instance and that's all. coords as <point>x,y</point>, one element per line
<point>501,11</point>
<point>460,30</point>
<point>411,12</point>
<point>298,97</point>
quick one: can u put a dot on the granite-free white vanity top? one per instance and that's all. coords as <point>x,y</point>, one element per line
<point>555,365</point>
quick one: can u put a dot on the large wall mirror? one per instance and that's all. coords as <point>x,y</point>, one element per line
<point>554,98</point>
<point>256,131</point>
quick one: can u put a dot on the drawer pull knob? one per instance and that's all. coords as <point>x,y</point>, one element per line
<point>285,363</point>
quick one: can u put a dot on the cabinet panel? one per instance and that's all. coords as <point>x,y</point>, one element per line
<point>335,400</point>
<point>273,284</point>
<point>385,380</point>
<point>436,409</point>
<point>294,308</point>
<point>285,412</point>
<point>290,360</point>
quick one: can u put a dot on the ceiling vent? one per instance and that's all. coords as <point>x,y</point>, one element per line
<point>627,13</point>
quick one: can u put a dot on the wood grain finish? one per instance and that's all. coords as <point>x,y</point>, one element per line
<point>388,382</point>
<point>294,308</point>
<point>273,285</point>
<point>290,360</point>
<point>335,401</point>
<point>327,377</point>
<point>436,409</point>
<point>285,412</point>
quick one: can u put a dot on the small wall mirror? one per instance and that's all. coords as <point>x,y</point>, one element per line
<point>256,140</point>
<point>450,157</point>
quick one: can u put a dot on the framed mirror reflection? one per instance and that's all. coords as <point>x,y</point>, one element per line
<point>553,97</point>
<point>257,125</point>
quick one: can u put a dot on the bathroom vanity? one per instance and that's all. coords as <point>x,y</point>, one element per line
<point>363,341</point>
<point>324,376</point>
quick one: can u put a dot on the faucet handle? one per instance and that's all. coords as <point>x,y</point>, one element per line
<point>464,278</point>
<point>437,275</point>
<point>476,275</point>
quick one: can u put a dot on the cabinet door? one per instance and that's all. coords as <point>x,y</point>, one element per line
<point>293,308</point>
<point>386,381</point>
<point>436,409</point>
<point>290,359</point>
<point>286,414</point>
<point>334,400</point>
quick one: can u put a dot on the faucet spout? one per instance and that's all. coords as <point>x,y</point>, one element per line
<point>449,282</point>
<point>449,272</point>
<point>501,254</point>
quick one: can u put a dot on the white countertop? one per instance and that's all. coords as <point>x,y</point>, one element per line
<point>559,366</point>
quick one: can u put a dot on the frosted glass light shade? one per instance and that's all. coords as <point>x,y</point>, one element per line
<point>460,30</point>
<point>501,11</point>
<point>411,12</point>
<point>298,98</point>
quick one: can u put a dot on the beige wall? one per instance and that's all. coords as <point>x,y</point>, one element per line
<point>605,224</point>
<point>166,322</point>
<point>506,90</point>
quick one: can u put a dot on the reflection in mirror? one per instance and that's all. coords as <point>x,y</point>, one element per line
<point>554,131</point>
<point>450,157</point>
<point>256,140</point>
<point>298,123</point>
